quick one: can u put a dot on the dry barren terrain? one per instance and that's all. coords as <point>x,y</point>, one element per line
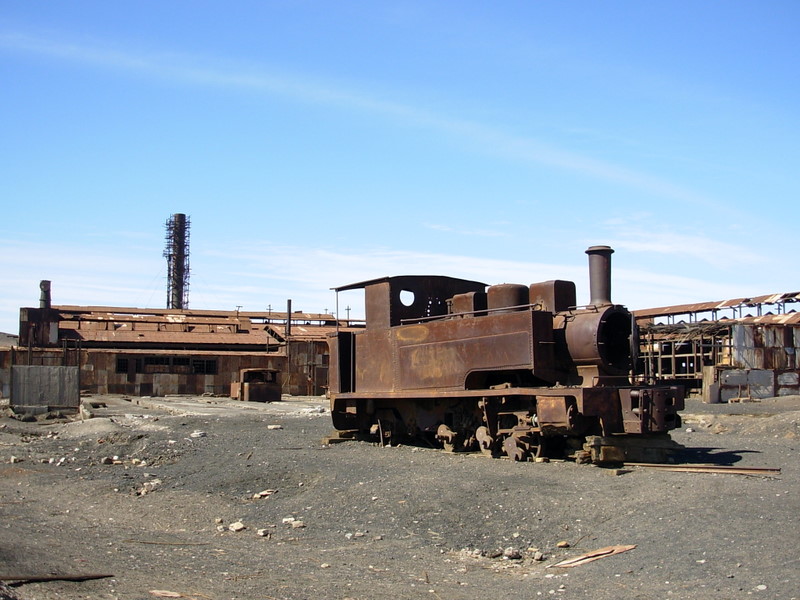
<point>213,499</point>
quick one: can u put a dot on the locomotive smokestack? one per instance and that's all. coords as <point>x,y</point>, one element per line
<point>600,274</point>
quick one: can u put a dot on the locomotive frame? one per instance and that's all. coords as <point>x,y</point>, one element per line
<point>509,369</point>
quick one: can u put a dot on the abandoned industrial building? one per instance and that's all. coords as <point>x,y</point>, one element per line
<point>738,349</point>
<point>62,350</point>
<point>157,352</point>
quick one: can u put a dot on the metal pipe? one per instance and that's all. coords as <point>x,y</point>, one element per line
<point>600,274</point>
<point>288,319</point>
<point>44,297</point>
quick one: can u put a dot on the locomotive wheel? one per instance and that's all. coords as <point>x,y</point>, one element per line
<point>448,438</point>
<point>536,445</point>
<point>485,440</point>
<point>527,447</point>
<point>513,449</point>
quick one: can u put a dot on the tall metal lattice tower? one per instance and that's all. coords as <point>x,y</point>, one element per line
<point>177,254</point>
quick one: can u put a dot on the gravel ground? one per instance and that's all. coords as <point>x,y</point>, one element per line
<point>150,490</point>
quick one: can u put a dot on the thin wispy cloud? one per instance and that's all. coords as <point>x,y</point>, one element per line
<point>492,233</point>
<point>198,70</point>
<point>306,273</point>
<point>696,248</point>
<point>267,275</point>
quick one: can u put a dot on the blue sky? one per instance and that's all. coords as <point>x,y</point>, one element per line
<point>315,144</point>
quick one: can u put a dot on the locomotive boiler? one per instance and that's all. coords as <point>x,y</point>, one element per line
<point>515,370</point>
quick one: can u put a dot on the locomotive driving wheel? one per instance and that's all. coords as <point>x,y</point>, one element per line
<point>527,446</point>
<point>485,440</point>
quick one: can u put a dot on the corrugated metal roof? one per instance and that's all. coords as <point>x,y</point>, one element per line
<point>680,309</point>
<point>169,327</point>
<point>309,332</point>
<point>121,312</point>
<point>792,318</point>
<point>173,338</point>
<point>172,351</point>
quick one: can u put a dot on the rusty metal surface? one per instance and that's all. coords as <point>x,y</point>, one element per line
<point>118,312</point>
<point>521,374</point>
<point>391,300</point>
<point>257,385</point>
<point>126,326</point>
<point>217,343</point>
<point>792,318</point>
<point>699,307</point>
<point>600,275</point>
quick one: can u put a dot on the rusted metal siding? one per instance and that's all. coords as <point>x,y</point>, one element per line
<point>307,369</point>
<point>6,355</point>
<point>37,389</point>
<point>155,380</point>
<point>155,351</point>
<point>752,384</point>
<point>100,371</point>
<point>765,346</point>
<point>694,351</point>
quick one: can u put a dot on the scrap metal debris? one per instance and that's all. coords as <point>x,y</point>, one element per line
<point>731,470</point>
<point>168,594</point>
<point>594,555</point>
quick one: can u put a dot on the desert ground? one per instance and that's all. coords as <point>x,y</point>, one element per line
<point>214,499</point>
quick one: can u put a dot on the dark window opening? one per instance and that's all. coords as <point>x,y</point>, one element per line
<point>203,366</point>
<point>167,364</point>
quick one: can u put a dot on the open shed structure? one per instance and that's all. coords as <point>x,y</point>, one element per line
<point>738,349</point>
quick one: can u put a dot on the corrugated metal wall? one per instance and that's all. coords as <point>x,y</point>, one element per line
<point>765,347</point>
<point>37,389</point>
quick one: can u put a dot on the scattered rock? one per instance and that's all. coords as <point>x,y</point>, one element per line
<point>538,556</point>
<point>512,553</point>
<point>6,593</point>
<point>562,544</point>
<point>148,487</point>
<point>273,427</point>
<point>236,527</point>
<point>198,434</point>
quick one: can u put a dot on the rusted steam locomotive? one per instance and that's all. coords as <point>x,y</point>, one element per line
<point>509,369</point>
